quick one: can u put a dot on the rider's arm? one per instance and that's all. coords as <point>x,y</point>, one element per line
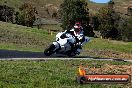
<point>66,33</point>
<point>70,31</point>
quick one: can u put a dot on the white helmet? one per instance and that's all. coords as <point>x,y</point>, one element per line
<point>77,27</point>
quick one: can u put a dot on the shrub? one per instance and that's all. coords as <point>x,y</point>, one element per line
<point>26,15</point>
<point>125,29</point>
<point>108,31</point>
<point>107,21</point>
<point>73,10</point>
<point>6,13</point>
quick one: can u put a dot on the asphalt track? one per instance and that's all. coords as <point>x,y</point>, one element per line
<point>27,55</point>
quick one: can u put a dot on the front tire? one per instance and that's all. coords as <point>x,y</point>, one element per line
<point>49,51</point>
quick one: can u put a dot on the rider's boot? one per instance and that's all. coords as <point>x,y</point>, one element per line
<point>78,50</point>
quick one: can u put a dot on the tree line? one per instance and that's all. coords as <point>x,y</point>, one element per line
<point>24,16</point>
<point>110,24</point>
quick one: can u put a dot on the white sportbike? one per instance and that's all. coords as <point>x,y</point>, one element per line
<point>65,44</point>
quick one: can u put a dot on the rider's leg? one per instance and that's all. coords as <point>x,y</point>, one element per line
<point>85,40</point>
<point>78,49</point>
<point>72,46</point>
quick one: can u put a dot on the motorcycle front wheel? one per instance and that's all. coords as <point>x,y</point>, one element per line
<point>49,51</point>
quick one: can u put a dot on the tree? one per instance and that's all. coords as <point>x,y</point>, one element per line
<point>7,13</point>
<point>73,10</point>
<point>125,29</point>
<point>26,15</point>
<point>108,22</point>
<point>95,22</point>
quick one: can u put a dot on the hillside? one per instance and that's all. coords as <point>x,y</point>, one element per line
<point>16,37</point>
<point>39,4</point>
<point>21,38</point>
<point>94,7</point>
<point>120,5</point>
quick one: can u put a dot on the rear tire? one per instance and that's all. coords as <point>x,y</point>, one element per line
<point>49,51</point>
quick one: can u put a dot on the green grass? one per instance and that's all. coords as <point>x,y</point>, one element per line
<point>18,37</point>
<point>48,74</point>
<point>105,44</point>
<point>19,47</point>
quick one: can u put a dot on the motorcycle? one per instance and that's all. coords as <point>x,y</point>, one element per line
<point>65,44</point>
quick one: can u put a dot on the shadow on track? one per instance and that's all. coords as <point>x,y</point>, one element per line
<point>20,54</point>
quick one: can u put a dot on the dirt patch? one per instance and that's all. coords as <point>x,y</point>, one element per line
<point>108,54</point>
<point>110,69</point>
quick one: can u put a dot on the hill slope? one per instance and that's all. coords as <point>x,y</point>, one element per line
<point>18,37</point>
<point>120,5</point>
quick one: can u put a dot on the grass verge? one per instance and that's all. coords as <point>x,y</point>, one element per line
<point>105,44</point>
<point>16,37</point>
<point>49,74</point>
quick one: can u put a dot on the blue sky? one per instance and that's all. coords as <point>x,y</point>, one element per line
<point>100,1</point>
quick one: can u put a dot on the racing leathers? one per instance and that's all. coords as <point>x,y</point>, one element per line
<point>80,39</point>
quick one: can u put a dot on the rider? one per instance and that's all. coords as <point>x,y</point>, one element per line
<point>77,32</point>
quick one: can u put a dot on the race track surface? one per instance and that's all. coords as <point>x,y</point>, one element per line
<point>18,55</point>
